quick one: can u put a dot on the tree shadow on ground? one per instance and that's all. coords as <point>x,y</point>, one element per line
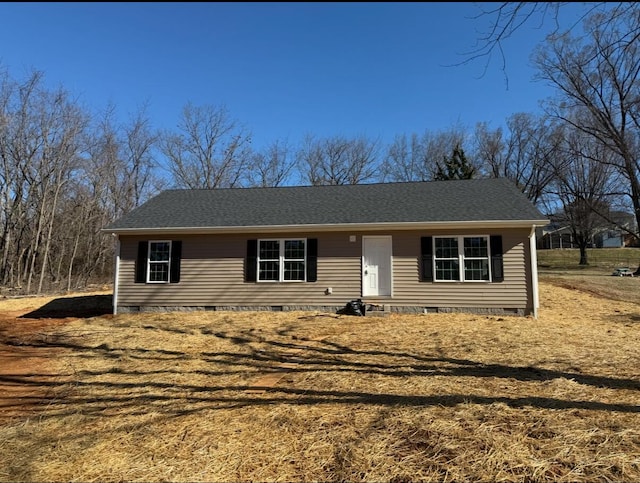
<point>80,307</point>
<point>136,387</point>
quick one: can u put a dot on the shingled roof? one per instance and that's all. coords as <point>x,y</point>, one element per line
<point>432,202</point>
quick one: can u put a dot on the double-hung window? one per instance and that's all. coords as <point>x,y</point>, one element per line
<point>282,260</point>
<point>461,258</point>
<point>159,261</point>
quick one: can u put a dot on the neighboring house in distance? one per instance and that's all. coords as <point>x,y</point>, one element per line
<point>466,245</point>
<point>555,235</point>
<point>612,236</point>
<point>558,234</point>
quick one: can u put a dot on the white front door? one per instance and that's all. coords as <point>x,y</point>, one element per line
<point>376,265</point>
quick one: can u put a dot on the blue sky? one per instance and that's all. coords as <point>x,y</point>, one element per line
<point>281,69</point>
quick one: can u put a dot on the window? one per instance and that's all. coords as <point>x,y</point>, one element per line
<point>447,261</point>
<point>281,260</point>
<point>461,258</point>
<point>159,261</point>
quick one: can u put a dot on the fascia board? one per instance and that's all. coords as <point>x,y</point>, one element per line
<point>451,225</point>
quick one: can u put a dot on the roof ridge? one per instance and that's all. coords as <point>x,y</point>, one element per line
<point>340,186</point>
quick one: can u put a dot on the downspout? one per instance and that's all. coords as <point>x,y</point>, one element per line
<point>534,271</point>
<point>116,275</point>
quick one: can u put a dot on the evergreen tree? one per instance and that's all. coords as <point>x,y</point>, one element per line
<point>455,167</point>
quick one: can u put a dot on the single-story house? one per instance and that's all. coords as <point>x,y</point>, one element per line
<point>609,234</point>
<point>463,245</point>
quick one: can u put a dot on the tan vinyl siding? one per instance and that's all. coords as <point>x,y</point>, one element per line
<point>212,274</point>
<point>512,293</point>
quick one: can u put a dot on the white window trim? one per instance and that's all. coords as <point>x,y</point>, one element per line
<point>281,260</point>
<point>462,258</point>
<point>149,262</point>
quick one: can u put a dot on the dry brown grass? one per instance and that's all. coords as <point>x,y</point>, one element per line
<point>596,282</point>
<point>300,396</point>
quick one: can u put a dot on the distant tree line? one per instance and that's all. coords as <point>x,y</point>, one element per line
<point>67,172</point>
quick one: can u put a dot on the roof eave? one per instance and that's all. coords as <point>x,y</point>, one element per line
<point>433,225</point>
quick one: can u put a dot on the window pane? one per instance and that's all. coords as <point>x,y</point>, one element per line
<point>269,249</point>
<point>294,249</point>
<point>294,270</point>
<point>446,247</point>
<point>447,270</point>
<point>475,247</point>
<point>476,269</point>
<point>159,252</point>
<point>158,272</point>
<point>269,270</point>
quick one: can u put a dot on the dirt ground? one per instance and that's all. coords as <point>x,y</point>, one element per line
<point>24,325</point>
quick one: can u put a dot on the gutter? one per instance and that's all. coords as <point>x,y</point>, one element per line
<point>432,225</point>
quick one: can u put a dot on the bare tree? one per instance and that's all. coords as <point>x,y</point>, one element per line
<point>600,79</point>
<point>406,160</point>
<point>415,158</point>
<point>507,18</point>
<point>11,183</point>
<point>63,126</point>
<point>209,149</point>
<point>137,145</point>
<point>338,160</point>
<point>270,167</point>
<point>41,133</point>
<point>528,154</point>
<point>585,188</point>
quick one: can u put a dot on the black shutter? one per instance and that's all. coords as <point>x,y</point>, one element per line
<point>176,255</point>
<point>141,262</point>
<point>497,269</point>
<point>312,259</point>
<point>426,256</point>
<point>251,262</point>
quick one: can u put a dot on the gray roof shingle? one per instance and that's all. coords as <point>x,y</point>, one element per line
<point>411,202</point>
